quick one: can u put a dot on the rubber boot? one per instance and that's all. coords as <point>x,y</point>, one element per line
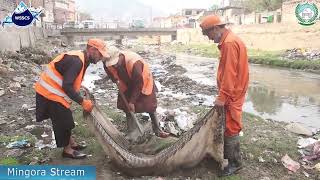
<point>156,126</point>
<point>232,153</point>
<point>130,123</point>
<point>133,132</point>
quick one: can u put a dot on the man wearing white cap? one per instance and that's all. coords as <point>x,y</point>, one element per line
<point>137,84</point>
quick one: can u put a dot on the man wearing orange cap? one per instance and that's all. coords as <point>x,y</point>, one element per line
<point>60,83</point>
<point>232,81</point>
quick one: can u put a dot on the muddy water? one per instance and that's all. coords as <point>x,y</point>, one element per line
<point>274,93</point>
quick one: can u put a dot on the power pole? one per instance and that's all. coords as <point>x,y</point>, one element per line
<point>151,21</point>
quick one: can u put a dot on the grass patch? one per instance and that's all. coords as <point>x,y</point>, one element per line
<point>113,114</point>
<point>9,161</point>
<point>9,139</point>
<point>269,138</point>
<point>35,154</point>
<point>278,61</point>
<point>206,50</point>
<point>94,147</point>
<point>81,131</point>
<point>84,134</point>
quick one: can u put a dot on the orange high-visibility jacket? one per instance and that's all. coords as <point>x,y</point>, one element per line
<point>130,59</point>
<point>232,79</point>
<point>50,83</point>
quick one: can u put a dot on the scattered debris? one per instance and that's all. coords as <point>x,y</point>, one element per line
<point>302,53</point>
<point>184,120</point>
<point>19,79</point>
<point>31,109</point>
<point>171,129</point>
<point>304,142</point>
<point>170,115</point>
<point>19,144</point>
<point>2,121</point>
<point>289,163</point>
<point>30,127</point>
<point>312,152</point>
<point>317,167</point>
<point>2,92</point>
<point>24,107</point>
<point>41,145</point>
<point>63,44</point>
<point>44,135</point>
<point>298,129</point>
<point>45,160</point>
<point>306,174</point>
<point>159,178</point>
<point>145,116</point>
<point>15,86</point>
<point>34,162</point>
<point>3,69</point>
<point>14,153</point>
<point>261,159</point>
<point>265,178</point>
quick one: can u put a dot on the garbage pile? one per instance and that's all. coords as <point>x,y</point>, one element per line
<point>302,53</point>
<point>309,148</point>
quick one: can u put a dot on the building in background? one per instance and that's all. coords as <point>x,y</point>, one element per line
<point>64,11</point>
<point>161,22</point>
<point>6,7</point>
<point>191,12</point>
<point>231,11</point>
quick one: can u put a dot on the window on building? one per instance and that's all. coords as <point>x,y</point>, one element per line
<point>188,12</point>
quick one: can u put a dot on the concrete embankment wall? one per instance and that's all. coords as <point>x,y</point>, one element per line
<point>265,36</point>
<point>12,38</point>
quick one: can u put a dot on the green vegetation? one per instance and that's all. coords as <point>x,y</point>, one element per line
<point>272,58</point>
<point>262,5</point>
<point>8,139</point>
<point>206,50</point>
<point>269,138</point>
<point>9,161</point>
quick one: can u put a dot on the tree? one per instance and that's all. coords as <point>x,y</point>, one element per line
<point>262,5</point>
<point>213,7</point>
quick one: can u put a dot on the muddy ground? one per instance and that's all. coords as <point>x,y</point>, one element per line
<point>264,143</point>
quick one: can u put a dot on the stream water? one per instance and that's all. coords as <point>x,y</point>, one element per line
<point>274,93</point>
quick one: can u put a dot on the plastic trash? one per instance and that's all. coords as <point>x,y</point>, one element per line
<point>290,164</point>
<point>304,142</point>
<point>313,152</point>
<point>19,144</point>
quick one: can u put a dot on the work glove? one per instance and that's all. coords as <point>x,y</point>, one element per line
<point>219,106</point>
<point>87,105</point>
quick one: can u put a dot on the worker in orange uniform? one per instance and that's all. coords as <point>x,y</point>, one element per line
<point>232,81</point>
<point>137,84</point>
<point>60,83</point>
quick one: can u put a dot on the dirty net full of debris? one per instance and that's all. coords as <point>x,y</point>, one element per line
<point>228,89</point>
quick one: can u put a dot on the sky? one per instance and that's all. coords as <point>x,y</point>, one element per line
<point>172,6</point>
<point>119,9</point>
